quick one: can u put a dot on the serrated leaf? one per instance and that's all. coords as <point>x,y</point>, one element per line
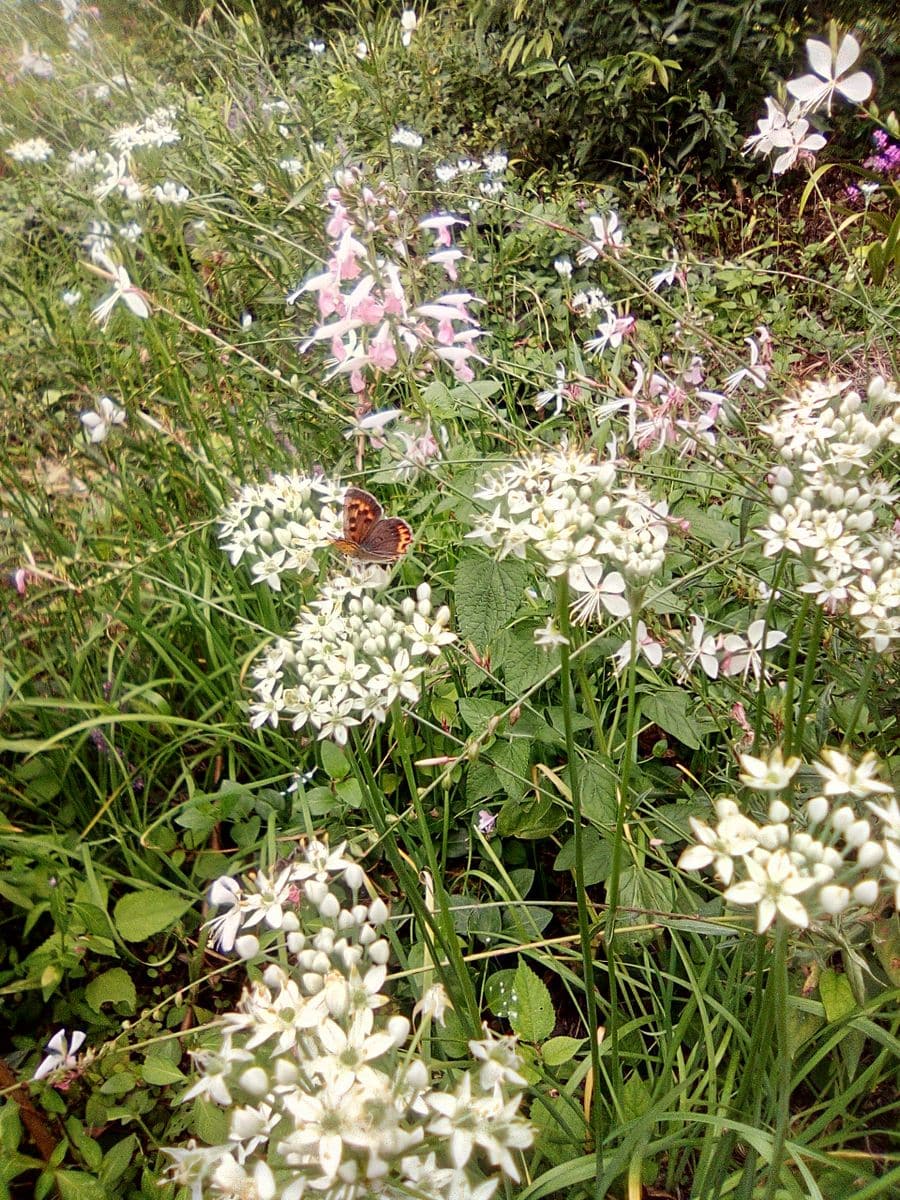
<point>531,1013</point>
<point>707,527</point>
<point>531,819</point>
<point>488,595</point>
<point>112,987</point>
<point>139,915</point>
<point>519,662</point>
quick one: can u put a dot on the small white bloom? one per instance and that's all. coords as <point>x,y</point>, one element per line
<point>170,193</point>
<point>98,424</point>
<point>61,1053</point>
<point>124,290</point>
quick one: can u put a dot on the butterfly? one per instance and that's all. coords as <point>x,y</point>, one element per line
<point>370,536</point>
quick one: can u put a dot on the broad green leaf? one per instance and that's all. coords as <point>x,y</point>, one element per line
<point>334,761</point>
<point>210,1123</point>
<point>559,1050</point>
<point>836,995</point>
<point>112,987</point>
<point>76,1185</point>
<point>160,1071</point>
<point>886,941</point>
<point>597,856</point>
<point>499,992</point>
<point>519,662</point>
<point>139,915</point>
<point>117,1159</point>
<point>488,595</point>
<point>532,818</point>
<point>676,712</point>
<point>531,1012</point>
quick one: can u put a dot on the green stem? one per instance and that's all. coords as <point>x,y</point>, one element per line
<point>791,675</point>
<point>612,891</point>
<point>584,924</point>
<point>809,674</point>
<point>862,696</point>
<point>779,986</point>
<point>441,942</point>
<point>760,1023</point>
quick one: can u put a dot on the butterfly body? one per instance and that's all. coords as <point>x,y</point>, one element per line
<point>370,536</point>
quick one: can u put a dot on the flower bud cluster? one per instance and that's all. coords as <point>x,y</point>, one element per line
<point>321,1087</point>
<point>830,510</point>
<point>806,863</point>
<point>277,527</point>
<point>364,295</point>
<point>347,659</point>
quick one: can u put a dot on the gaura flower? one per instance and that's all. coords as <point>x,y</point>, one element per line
<point>829,77</point>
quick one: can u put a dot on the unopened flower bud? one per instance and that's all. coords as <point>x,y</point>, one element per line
<point>866,892</point>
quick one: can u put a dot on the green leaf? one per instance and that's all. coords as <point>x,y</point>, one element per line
<point>160,1071</point>
<point>676,712</point>
<point>499,992</point>
<point>511,760</point>
<point>210,1122</point>
<point>886,941</point>
<point>335,763</point>
<point>559,1050</point>
<point>488,595</point>
<point>478,714</point>
<point>117,1159</point>
<point>112,987</point>
<point>89,1149</point>
<point>519,662</point>
<point>836,995</point>
<point>707,527</point>
<point>532,819</point>
<point>75,1185</point>
<point>597,856</point>
<point>531,1012</point>
<point>139,915</point>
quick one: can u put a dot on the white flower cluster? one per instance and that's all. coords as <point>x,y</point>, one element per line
<point>32,150</point>
<point>321,1089</point>
<point>787,130</point>
<point>831,511</point>
<point>565,508</point>
<point>277,527</point>
<point>807,865</point>
<point>347,659</point>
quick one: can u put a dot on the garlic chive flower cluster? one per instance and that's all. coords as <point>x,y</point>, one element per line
<point>811,861</point>
<point>786,131</point>
<point>566,509</point>
<point>831,511</point>
<point>276,527</point>
<point>323,1087</point>
<point>347,660</point>
<point>378,263</point>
